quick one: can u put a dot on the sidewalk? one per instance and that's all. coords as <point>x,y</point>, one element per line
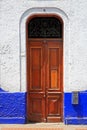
<point>42,126</point>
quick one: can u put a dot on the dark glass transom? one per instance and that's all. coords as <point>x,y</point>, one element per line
<point>44,27</point>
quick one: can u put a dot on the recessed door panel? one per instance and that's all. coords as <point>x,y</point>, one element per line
<point>36,107</point>
<point>35,67</point>
<point>54,107</point>
<point>53,67</point>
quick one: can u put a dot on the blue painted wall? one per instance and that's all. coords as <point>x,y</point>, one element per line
<point>75,114</point>
<point>12,107</point>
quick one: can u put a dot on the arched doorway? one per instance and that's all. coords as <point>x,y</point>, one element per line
<point>44,47</point>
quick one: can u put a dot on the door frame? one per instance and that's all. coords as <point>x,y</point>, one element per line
<point>27,51</point>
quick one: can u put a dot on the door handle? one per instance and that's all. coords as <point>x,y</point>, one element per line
<point>44,96</point>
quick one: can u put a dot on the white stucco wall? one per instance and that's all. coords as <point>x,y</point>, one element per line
<point>13,15</point>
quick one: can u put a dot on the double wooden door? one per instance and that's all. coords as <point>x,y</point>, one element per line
<point>44,80</point>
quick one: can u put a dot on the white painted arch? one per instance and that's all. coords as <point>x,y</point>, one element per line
<point>22,35</point>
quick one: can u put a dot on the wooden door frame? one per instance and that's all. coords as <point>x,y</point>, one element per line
<point>27,49</point>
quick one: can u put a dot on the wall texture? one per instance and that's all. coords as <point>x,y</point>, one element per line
<point>75,58</point>
<point>13,15</point>
<point>12,107</point>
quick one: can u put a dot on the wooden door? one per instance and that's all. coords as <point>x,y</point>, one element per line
<point>54,81</point>
<point>44,80</point>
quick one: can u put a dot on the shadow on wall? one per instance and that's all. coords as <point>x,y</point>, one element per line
<point>1,90</point>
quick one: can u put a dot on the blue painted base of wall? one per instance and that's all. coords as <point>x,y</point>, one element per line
<point>12,107</point>
<point>76,121</point>
<point>75,113</point>
<point>12,120</point>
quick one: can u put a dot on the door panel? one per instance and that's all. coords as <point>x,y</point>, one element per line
<point>53,107</point>
<point>36,98</point>
<point>35,67</point>
<point>36,107</point>
<point>54,85</point>
<point>45,81</point>
<point>53,67</point>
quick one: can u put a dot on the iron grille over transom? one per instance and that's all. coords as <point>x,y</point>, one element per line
<point>44,27</point>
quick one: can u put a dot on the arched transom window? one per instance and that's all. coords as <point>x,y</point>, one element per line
<point>45,27</point>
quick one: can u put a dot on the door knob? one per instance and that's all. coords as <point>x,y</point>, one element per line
<point>44,41</point>
<point>44,95</point>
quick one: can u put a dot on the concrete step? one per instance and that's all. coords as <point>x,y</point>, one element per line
<point>42,126</point>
